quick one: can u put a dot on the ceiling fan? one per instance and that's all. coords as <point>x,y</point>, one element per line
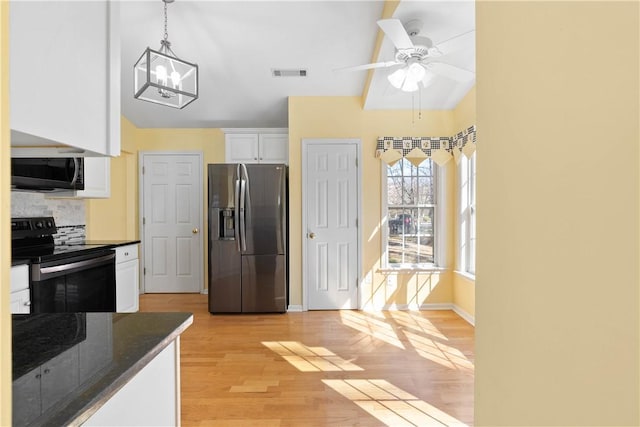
<point>418,54</point>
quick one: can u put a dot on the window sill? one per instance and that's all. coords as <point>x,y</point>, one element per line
<point>466,275</point>
<point>406,270</point>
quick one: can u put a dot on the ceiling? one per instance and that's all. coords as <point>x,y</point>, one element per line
<point>237,44</point>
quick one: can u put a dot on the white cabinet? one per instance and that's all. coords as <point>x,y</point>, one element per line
<point>273,148</point>
<point>127,279</point>
<point>97,178</point>
<point>151,398</point>
<point>44,386</point>
<point>20,298</point>
<point>65,75</point>
<point>244,146</point>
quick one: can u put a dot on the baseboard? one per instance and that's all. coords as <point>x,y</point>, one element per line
<point>466,316</point>
<point>450,306</point>
<point>205,291</point>
<point>407,307</point>
<point>437,306</point>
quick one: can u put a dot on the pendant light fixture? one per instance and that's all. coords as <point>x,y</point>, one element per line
<point>162,78</point>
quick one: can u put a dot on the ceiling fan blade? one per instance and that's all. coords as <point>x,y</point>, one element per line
<point>394,29</point>
<point>450,71</point>
<point>369,66</point>
<point>455,43</point>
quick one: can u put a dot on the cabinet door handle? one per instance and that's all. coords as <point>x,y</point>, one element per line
<point>46,371</point>
<point>27,303</point>
<point>126,254</point>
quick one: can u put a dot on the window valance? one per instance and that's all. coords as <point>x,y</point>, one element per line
<point>440,149</point>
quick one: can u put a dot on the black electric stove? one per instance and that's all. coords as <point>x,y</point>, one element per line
<point>63,278</point>
<point>32,240</point>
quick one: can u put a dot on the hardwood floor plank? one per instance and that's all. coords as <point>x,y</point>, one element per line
<point>322,368</point>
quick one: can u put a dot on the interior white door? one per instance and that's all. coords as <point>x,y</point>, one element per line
<point>172,222</point>
<point>331,197</point>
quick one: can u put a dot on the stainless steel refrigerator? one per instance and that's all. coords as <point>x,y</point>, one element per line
<point>247,238</point>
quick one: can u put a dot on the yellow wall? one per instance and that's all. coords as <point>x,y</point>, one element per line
<point>557,325</point>
<point>464,289</point>
<point>118,216</point>
<point>343,117</point>
<point>5,218</point>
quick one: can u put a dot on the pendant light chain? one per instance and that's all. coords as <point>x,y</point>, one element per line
<point>166,32</point>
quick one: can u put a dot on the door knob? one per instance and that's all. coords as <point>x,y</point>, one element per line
<point>312,235</point>
<point>195,231</point>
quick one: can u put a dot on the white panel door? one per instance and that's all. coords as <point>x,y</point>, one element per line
<point>172,222</point>
<point>331,197</point>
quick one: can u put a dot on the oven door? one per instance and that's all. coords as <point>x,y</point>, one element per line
<point>83,283</point>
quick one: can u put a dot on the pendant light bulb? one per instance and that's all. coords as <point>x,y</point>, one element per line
<point>161,74</point>
<point>175,78</point>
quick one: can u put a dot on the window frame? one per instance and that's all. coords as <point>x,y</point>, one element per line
<point>439,227</point>
<point>467,212</point>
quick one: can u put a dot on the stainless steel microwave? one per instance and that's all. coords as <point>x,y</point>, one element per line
<point>47,174</point>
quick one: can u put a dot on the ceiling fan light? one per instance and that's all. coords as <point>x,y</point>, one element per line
<point>410,85</point>
<point>398,77</point>
<point>415,72</point>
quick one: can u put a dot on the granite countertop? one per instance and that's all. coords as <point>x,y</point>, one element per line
<point>110,243</point>
<point>92,355</point>
<point>15,262</point>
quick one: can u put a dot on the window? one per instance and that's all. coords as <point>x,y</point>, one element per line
<point>467,214</point>
<point>412,214</point>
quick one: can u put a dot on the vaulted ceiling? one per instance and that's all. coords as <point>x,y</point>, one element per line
<point>238,44</point>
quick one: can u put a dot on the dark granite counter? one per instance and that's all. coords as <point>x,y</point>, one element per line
<point>15,262</point>
<point>67,365</point>
<point>108,243</point>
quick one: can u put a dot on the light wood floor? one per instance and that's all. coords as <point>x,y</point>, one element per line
<point>322,368</point>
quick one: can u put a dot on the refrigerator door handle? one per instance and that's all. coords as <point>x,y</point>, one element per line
<point>237,214</point>
<point>243,225</point>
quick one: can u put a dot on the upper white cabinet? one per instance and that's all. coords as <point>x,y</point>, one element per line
<point>97,178</point>
<point>256,146</point>
<point>65,75</point>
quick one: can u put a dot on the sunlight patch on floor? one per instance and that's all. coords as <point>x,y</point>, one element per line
<point>391,405</point>
<point>373,327</point>
<point>440,353</point>
<point>416,323</point>
<point>310,359</point>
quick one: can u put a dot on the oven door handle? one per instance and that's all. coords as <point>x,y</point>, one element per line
<point>39,274</point>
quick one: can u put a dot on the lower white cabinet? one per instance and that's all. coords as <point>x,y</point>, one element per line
<point>127,279</point>
<point>151,398</point>
<point>20,297</point>
<point>46,385</point>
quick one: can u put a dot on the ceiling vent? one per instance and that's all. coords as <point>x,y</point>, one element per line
<point>289,73</point>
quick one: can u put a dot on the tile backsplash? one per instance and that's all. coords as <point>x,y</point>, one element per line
<point>66,212</point>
